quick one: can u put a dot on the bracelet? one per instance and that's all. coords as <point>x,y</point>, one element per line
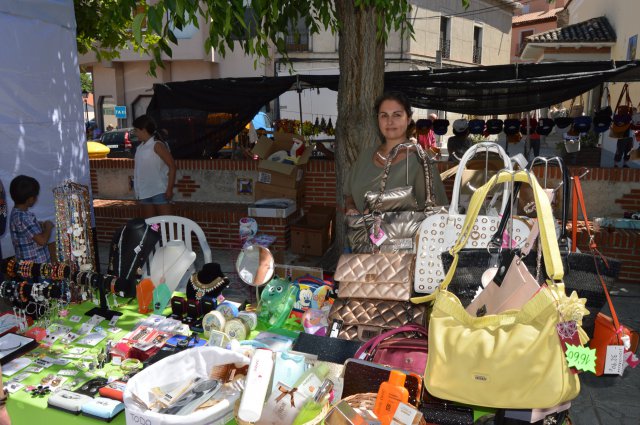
<point>45,270</point>
<point>22,292</point>
<point>11,266</point>
<point>130,364</point>
<point>3,399</point>
<point>25,268</point>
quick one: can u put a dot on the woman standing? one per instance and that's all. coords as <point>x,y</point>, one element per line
<point>394,115</point>
<point>155,171</point>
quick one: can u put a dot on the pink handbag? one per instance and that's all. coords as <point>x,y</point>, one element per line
<point>408,354</point>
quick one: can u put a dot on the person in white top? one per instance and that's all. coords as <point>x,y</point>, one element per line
<point>154,173</point>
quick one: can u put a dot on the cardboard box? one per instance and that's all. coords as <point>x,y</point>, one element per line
<point>271,211</point>
<point>295,272</point>
<point>265,191</point>
<point>314,232</point>
<point>283,180</point>
<point>265,147</point>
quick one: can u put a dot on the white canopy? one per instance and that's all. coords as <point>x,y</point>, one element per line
<point>41,108</point>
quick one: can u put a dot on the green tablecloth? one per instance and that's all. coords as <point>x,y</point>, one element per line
<point>24,409</point>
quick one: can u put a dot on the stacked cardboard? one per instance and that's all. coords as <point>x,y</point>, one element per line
<point>278,179</point>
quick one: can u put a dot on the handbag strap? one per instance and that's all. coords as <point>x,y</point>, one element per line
<point>373,342</point>
<point>550,250</point>
<point>625,89</point>
<point>426,165</point>
<point>487,147</point>
<point>563,239</point>
<point>578,198</point>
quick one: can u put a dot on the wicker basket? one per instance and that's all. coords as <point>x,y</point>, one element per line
<point>314,421</point>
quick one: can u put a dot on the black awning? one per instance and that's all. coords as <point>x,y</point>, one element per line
<point>206,114</point>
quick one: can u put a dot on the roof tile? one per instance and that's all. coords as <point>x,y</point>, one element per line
<point>593,30</point>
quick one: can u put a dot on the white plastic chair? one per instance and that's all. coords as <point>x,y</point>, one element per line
<point>180,228</point>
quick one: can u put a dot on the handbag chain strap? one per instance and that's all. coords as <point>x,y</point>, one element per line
<point>426,164</point>
<point>579,198</point>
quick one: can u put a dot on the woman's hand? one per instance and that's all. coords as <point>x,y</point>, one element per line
<point>352,211</point>
<point>4,416</point>
<point>169,193</point>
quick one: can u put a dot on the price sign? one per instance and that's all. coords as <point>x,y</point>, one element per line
<point>582,358</point>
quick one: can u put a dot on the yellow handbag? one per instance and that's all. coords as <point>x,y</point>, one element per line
<point>508,360</point>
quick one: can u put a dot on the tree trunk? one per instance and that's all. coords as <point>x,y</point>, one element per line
<point>361,82</point>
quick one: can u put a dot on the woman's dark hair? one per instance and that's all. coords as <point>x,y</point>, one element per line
<point>22,188</point>
<point>145,122</point>
<point>399,97</point>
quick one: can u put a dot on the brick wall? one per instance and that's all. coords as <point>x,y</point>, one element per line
<point>614,188</point>
<point>218,221</point>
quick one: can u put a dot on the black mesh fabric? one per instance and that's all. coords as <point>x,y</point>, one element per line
<point>204,115</point>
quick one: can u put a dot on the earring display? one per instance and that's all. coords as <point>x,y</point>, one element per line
<point>74,237</point>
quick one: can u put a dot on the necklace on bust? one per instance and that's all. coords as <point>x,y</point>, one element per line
<point>204,288</point>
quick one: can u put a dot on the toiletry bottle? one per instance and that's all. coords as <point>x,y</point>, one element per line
<point>256,386</point>
<point>390,394</point>
<point>311,380</point>
<point>313,407</point>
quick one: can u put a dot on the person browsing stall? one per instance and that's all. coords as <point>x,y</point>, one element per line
<point>458,144</point>
<point>154,170</point>
<point>393,112</point>
<point>28,235</point>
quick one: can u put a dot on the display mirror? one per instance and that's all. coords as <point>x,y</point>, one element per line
<point>255,265</point>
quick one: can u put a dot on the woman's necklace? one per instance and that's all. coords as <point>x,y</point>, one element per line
<point>383,158</point>
<point>164,270</point>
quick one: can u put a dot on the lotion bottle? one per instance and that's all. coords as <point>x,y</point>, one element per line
<point>256,386</point>
<point>311,380</point>
<point>390,394</point>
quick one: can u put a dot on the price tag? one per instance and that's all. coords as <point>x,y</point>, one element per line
<point>582,358</point>
<point>614,361</point>
<point>75,319</point>
<point>568,334</point>
<point>379,238</point>
<point>85,328</point>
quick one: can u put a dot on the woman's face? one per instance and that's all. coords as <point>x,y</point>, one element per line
<point>393,120</point>
<point>142,134</point>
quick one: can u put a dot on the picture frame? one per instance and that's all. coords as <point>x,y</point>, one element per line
<point>632,47</point>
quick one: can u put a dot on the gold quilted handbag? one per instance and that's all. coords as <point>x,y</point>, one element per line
<point>375,276</point>
<point>363,319</point>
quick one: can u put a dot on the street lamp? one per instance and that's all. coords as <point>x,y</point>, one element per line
<point>85,96</point>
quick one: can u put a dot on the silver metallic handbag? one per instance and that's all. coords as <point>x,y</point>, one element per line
<point>394,211</point>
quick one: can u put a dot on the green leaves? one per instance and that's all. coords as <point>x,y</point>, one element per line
<point>137,27</point>
<point>258,26</point>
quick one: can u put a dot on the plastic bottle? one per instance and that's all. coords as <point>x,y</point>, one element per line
<point>256,386</point>
<point>311,379</point>
<point>390,394</point>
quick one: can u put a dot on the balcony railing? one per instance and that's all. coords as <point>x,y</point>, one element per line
<point>445,48</point>
<point>477,55</point>
<point>297,43</point>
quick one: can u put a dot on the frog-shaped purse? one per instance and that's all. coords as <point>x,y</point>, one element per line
<point>276,302</point>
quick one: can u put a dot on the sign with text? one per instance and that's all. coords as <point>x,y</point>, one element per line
<point>120,111</point>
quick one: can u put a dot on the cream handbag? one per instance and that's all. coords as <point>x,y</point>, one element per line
<point>375,276</point>
<point>438,232</point>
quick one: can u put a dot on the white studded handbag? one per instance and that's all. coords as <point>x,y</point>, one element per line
<point>438,232</point>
